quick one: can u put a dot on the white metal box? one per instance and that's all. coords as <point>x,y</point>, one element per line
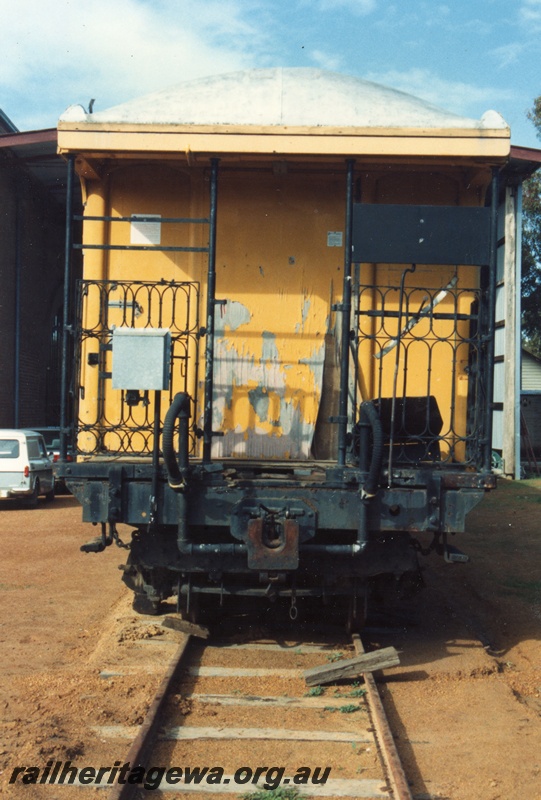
<point>141,358</point>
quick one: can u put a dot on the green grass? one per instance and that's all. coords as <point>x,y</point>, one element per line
<point>348,709</point>
<point>274,794</point>
<point>528,590</point>
<point>533,483</point>
<point>315,691</point>
<point>13,587</point>
<point>357,690</point>
<point>335,656</point>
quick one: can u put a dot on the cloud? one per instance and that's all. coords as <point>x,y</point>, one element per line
<point>456,96</point>
<point>530,15</point>
<point>326,60</point>
<point>420,16</point>
<point>64,52</point>
<point>508,54</point>
<point>357,7</point>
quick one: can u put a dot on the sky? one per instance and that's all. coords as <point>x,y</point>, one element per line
<point>465,56</point>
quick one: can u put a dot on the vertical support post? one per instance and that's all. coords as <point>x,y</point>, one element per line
<point>155,456</point>
<point>511,366</point>
<point>346,321</point>
<point>65,316</point>
<point>211,307</point>
<point>17,332</point>
<point>490,323</point>
<point>518,317</point>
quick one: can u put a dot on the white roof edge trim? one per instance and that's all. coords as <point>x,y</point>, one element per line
<point>493,120</point>
<point>75,113</point>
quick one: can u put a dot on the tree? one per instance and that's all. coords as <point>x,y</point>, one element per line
<point>531,250</point>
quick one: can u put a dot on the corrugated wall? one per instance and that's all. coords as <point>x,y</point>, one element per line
<point>530,373</point>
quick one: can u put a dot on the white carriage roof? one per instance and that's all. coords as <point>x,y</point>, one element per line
<point>297,97</point>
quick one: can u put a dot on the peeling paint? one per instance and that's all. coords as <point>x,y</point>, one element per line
<point>231,316</point>
<point>269,351</point>
<point>305,310</point>
<point>259,400</point>
<point>299,327</point>
<point>261,413</point>
<point>270,342</point>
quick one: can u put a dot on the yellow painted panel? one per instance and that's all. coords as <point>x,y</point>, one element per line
<point>279,270</point>
<point>278,273</point>
<point>395,142</point>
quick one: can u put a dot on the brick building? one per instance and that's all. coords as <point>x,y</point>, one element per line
<point>32,223</point>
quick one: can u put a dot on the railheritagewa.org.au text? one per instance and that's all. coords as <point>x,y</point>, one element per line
<point>66,773</point>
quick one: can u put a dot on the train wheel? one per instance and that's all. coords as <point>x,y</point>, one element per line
<point>189,610</point>
<point>143,604</point>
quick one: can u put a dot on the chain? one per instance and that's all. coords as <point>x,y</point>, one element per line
<point>425,551</point>
<point>116,537</point>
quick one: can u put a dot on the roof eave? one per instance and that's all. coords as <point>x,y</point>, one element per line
<point>282,140</point>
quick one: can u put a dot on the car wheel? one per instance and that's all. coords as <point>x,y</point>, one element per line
<point>50,495</point>
<point>32,500</point>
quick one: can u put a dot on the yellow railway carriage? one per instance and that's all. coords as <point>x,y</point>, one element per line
<point>284,332</point>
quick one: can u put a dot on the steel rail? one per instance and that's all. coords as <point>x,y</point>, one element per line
<point>146,736</point>
<point>384,736</point>
<point>144,740</point>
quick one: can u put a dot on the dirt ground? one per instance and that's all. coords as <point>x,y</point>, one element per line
<point>466,699</point>
<point>465,702</point>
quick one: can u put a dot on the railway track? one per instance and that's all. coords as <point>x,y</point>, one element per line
<point>233,716</point>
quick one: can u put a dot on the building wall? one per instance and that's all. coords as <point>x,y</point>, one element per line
<point>530,406</point>
<point>8,216</point>
<point>530,373</point>
<point>530,403</point>
<point>31,269</point>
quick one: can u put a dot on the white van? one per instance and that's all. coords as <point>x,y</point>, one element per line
<point>26,470</point>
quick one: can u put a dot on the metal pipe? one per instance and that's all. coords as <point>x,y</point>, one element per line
<point>518,347</point>
<point>65,316</point>
<point>346,321</point>
<point>362,529</point>
<point>368,419</point>
<point>183,537</point>
<point>233,556</point>
<point>155,457</point>
<point>211,307</point>
<point>399,334</point>
<point>248,590</point>
<point>177,470</point>
<point>491,314</point>
<point>237,549</point>
<point>369,414</point>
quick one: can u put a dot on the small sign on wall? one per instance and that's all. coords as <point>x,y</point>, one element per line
<point>334,238</point>
<point>146,229</point>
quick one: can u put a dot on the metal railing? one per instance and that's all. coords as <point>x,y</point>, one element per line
<point>121,422</point>
<point>426,348</point>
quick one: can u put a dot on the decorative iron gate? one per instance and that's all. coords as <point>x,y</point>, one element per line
<point>426,349</point>
<point>122,422</point>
